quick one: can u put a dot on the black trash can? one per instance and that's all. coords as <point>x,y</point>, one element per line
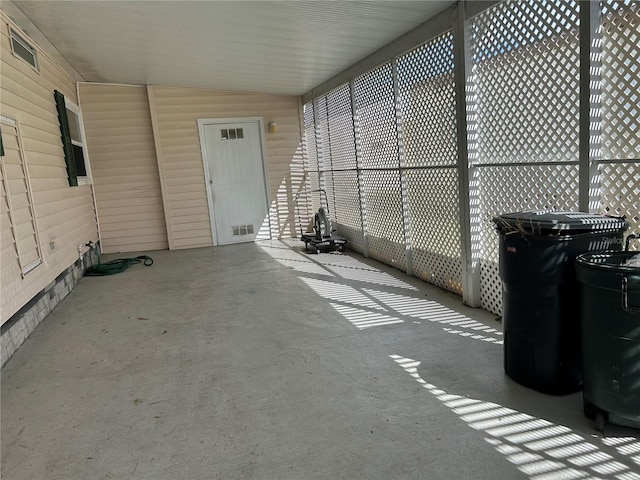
<point>540,295</point>
<point>610,316</point>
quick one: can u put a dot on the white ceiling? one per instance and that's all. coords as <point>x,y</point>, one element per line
<point>267,46</point>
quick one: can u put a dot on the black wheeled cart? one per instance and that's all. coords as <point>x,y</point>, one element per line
<point>320,235</point>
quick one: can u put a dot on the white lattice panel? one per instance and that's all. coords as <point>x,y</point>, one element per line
<point>383,198</point>
<point>522,108</point>
<point>619,76</point>
<point>517,189</point>
<point>312,144</point>
<point>314,184</point>
<point>435,226</point>
<point>490,286</point>
<point>620,193</point>
<point>426,98</point>
<point>310,200</point>
<point>620,80</point>
<point>328,202</point>
<point>427,104</point>
<point>524,89</point>
<point>310,139</point>
<point>341,183</point>
<point>376,118</point>
<point>342,144</point>
<point>323,153</point>
<point>347,217</point>
<point>523,124</point>
<point>523,188</point>
<point>304,205</point>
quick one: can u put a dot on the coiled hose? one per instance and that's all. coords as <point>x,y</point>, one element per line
<point>112,267</point>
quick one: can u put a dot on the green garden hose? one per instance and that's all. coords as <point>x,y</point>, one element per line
<point>114,266</point>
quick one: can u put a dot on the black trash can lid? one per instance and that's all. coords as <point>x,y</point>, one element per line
<point>558,223</point>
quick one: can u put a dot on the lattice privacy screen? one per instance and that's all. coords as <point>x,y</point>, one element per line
<point>620,80</point>
<point>379,173</point>
<point>620,193</point>
<point>619,75</point>
<point>339,166</point>
<point>376,119</point>
<point>385,145</point>
<point>307,202</point>
<point>343,187</point>
<point>426,98</point>
<point>523,115</point>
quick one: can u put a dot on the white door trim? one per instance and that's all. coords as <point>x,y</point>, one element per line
<point>202,122</point>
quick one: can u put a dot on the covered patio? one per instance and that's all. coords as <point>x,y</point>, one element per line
<point>258,361</point>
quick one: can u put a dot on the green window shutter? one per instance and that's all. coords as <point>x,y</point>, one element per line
<point>1,145</point>
<point>66,138</point>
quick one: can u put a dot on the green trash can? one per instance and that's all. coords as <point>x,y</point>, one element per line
<point>610,320</point>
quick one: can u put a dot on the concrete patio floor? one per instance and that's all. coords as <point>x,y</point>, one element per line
<point>257,361</point>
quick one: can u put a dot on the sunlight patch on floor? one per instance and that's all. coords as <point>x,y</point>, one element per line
<point>537,447</point>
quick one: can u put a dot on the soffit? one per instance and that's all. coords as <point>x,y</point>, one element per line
<point>283,47</point>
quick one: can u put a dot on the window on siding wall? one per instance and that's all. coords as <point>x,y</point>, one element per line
<point>76,131</point>
<point>73,143</point>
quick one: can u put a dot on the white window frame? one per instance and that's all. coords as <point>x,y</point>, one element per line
<point>88,179</point>
<point>19,38</point>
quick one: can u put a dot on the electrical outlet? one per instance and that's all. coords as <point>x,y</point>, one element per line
<point>52,245</point>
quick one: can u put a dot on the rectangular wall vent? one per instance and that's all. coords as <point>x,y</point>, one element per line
<point>23,49</point>
<point>240,230</point>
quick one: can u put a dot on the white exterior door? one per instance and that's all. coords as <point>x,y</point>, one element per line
<point>235,174</point>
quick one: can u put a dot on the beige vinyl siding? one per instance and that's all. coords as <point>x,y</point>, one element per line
<point>175,112</point>
<point>124,167</point>
<point>65,215</point>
